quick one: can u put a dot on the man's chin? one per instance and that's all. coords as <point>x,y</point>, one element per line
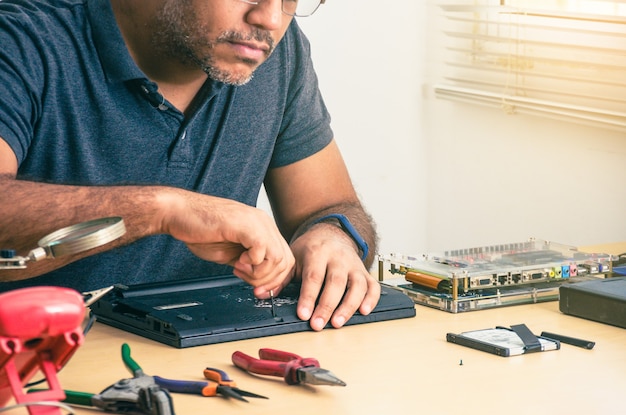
<point>229,78</point>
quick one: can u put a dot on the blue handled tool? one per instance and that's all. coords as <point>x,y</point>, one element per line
<point>218,383</point>
<point>140,394</point>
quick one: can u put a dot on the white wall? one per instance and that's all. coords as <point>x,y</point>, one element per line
<point>437,174</point>
<point>368,59</point>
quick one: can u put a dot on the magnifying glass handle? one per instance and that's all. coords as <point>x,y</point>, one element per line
<point>37,254</point>
<point>9,260</point>
<point>66,241</point>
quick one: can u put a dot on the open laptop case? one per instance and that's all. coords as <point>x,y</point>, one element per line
<point>219,309</point>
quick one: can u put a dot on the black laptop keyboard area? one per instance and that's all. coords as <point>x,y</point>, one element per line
<point>211,310</point>
<point>221,308</point>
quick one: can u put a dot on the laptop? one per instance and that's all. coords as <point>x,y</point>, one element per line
<point>212,310</point>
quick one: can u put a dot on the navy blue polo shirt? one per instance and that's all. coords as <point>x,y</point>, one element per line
<point>76,109</point>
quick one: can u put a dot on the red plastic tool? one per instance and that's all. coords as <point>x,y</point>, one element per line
<point>40,329</point>
<point>293,368</point>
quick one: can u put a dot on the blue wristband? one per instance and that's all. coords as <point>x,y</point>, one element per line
<point>347,228</point>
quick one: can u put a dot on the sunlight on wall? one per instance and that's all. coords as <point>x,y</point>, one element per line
<point>596,7</point>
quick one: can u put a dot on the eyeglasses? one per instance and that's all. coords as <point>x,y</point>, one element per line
<point>297,8</point>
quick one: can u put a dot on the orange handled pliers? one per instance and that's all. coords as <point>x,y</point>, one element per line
<point>218,384</point>
<point>224,385</point>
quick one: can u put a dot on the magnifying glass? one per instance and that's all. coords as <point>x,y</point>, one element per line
<point>67,241</point>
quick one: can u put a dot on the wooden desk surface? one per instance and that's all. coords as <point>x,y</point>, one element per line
<point>395,367</point>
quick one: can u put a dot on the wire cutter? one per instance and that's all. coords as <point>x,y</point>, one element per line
<point>218,384</point>
<point>293,368</point>
<point>139,395</point>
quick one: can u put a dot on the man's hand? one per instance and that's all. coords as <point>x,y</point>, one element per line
<point>228,232</point>
<point>332,272</point>
<point>333,275</point>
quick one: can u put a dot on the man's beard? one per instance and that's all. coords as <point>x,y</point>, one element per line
<point>180,36</point>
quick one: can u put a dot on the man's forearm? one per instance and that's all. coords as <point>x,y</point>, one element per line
<point>31,210</point>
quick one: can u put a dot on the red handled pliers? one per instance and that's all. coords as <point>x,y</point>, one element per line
<point>293,368</point>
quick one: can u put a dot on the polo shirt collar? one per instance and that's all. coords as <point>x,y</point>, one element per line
<point>115,58</point>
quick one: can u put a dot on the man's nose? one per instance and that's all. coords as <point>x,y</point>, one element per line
<point>268,14</point>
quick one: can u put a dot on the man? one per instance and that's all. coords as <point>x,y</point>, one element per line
<point>172,114</point>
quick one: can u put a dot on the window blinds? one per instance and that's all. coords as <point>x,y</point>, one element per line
<point>553,58</point>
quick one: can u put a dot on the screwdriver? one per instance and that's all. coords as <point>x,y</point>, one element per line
<point>272,302</point>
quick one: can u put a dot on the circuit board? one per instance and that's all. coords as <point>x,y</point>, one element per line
<point>491,276</point>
